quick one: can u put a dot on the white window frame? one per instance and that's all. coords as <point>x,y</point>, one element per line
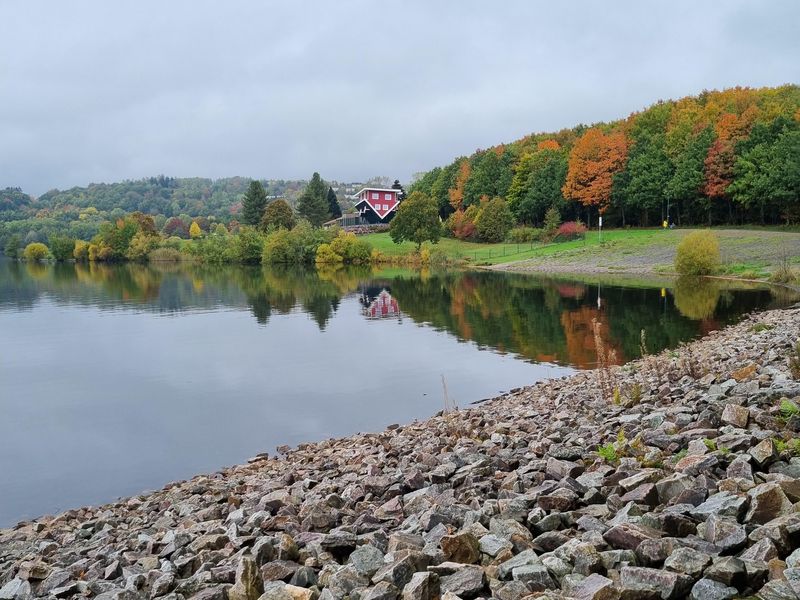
<point>385,207</point>
<point>387,196</point>
<point>375,195</point>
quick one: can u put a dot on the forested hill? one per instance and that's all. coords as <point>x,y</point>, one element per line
<point>730,156</point>
<point>79,211</point>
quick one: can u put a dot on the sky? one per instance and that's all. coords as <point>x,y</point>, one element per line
<point>98,91</point>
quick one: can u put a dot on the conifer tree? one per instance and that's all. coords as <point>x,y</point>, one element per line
<point>334,210</point>
<point>313,204</point>
<point>254,203</point>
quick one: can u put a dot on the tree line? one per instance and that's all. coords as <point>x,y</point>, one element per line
<point>721,157</point>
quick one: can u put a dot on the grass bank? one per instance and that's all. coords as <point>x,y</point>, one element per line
<point>746,253</point>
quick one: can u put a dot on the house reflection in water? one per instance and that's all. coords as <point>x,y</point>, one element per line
<point>378,303</point>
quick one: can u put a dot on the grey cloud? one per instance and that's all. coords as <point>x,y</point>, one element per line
<point>97,90</point>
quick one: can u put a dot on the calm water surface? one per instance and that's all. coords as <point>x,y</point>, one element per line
<point>117,379</point>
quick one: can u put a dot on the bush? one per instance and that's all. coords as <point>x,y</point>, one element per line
<point>249,246</point>
<point>214,249</point>
<point>462,223</point>
<point>571,230</point>
<point>141,246</point>
<point>494,220</point>
<point>36,251</point>
<point>524,235</point>
<point>327,256</point>
<point>698,254</point>
<point>350,248</point>
<point>62,247</point>
<point>552,219</point>
<point>165,255</point>
<point>280,248</point>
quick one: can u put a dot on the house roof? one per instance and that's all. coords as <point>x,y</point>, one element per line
<point>375,189</point>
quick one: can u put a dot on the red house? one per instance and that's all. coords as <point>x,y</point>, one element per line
<point>377,205</point>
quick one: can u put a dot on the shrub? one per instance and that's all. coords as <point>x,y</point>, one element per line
<point>350,248</point>
<point>552,219</point>
<point>460,225</point>
<point>249,246</point>
<point>608,453</point>
<point>280,248</point>
<point>165,255</point>
<point>524,235</point>
<point>327,256</point>
<point>698,254</point>
<point>36,251</point>
<point>141,246</point>
<point>571,230</point>
<point>212,249</point>
<point>494,220</point>
<point>62,247</point>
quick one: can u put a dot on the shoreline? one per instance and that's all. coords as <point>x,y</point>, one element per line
<point>547,487</point>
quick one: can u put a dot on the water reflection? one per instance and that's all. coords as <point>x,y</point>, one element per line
<point>543,320</point>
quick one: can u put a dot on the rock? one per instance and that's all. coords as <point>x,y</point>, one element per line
<point>764,452</point>
<point>528,557</point>
<point>536,577</point>
<point>595,587</point>
<point>726,534</point>
<point>640,582</point>
<point>735,415</point>
<point>767,502</point>
<point>299,593</point>
<point>278,570</point>
<point>493,545</point>
<point>398,572</point>
<point>708,589</point>
<point>688,561</point>
<point>248,585</point>
<point>728,570</point>
<point>16,589</point>
<point>366,559</point>
<point>466,582</point>
<point>383,591</point>
<point>723,504</point>
<point>461,547</point>
<point>776,590</point>
<point>162,585</point>
<point>423,586</point>
<point>628,536</point>
<point>276,590</point>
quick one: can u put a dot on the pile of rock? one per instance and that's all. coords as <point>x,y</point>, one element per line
<point>683,484</point>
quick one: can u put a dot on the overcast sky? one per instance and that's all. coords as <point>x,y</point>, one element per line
<point>96,91</point>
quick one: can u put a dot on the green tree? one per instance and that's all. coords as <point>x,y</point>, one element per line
<point>334,210</point>
<point>537,185</point>
<point>12,247</point>
<point>313,204</point>
<point>686,183</point>
<point>416,220</point>
<point>62,247</point>
<point>253,204</point>
<point>494,220</point>
<point>277,214</point>
<point>249,246</point>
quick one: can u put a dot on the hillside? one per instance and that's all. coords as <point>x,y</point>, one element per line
<point>730,156</point>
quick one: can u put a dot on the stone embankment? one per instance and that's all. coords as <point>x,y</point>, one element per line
<point>684,482</point>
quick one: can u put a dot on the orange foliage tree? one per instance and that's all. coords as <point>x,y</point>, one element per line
<point>457,193</point>
<point>594,160</point>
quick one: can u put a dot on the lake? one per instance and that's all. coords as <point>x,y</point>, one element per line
<point>118,379</point>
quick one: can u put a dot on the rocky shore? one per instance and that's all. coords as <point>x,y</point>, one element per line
<point>675,476</point>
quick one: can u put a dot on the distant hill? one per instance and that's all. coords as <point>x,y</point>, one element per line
<point>730,156</point>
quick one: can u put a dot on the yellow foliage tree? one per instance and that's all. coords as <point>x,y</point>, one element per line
<point>194,230</point>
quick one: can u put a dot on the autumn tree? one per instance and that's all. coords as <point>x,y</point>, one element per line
<point>253,203</point>
<point>594,160</point>
<point>277,215</point>
<point>456,193</point>
<point>313,204</point>
<point>537,183</point>
<point>416,220</point>
<point>194,230</point>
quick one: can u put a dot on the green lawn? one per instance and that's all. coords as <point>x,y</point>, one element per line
<point>493,254</point>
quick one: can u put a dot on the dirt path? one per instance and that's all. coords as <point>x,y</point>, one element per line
<point>761,249</point>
